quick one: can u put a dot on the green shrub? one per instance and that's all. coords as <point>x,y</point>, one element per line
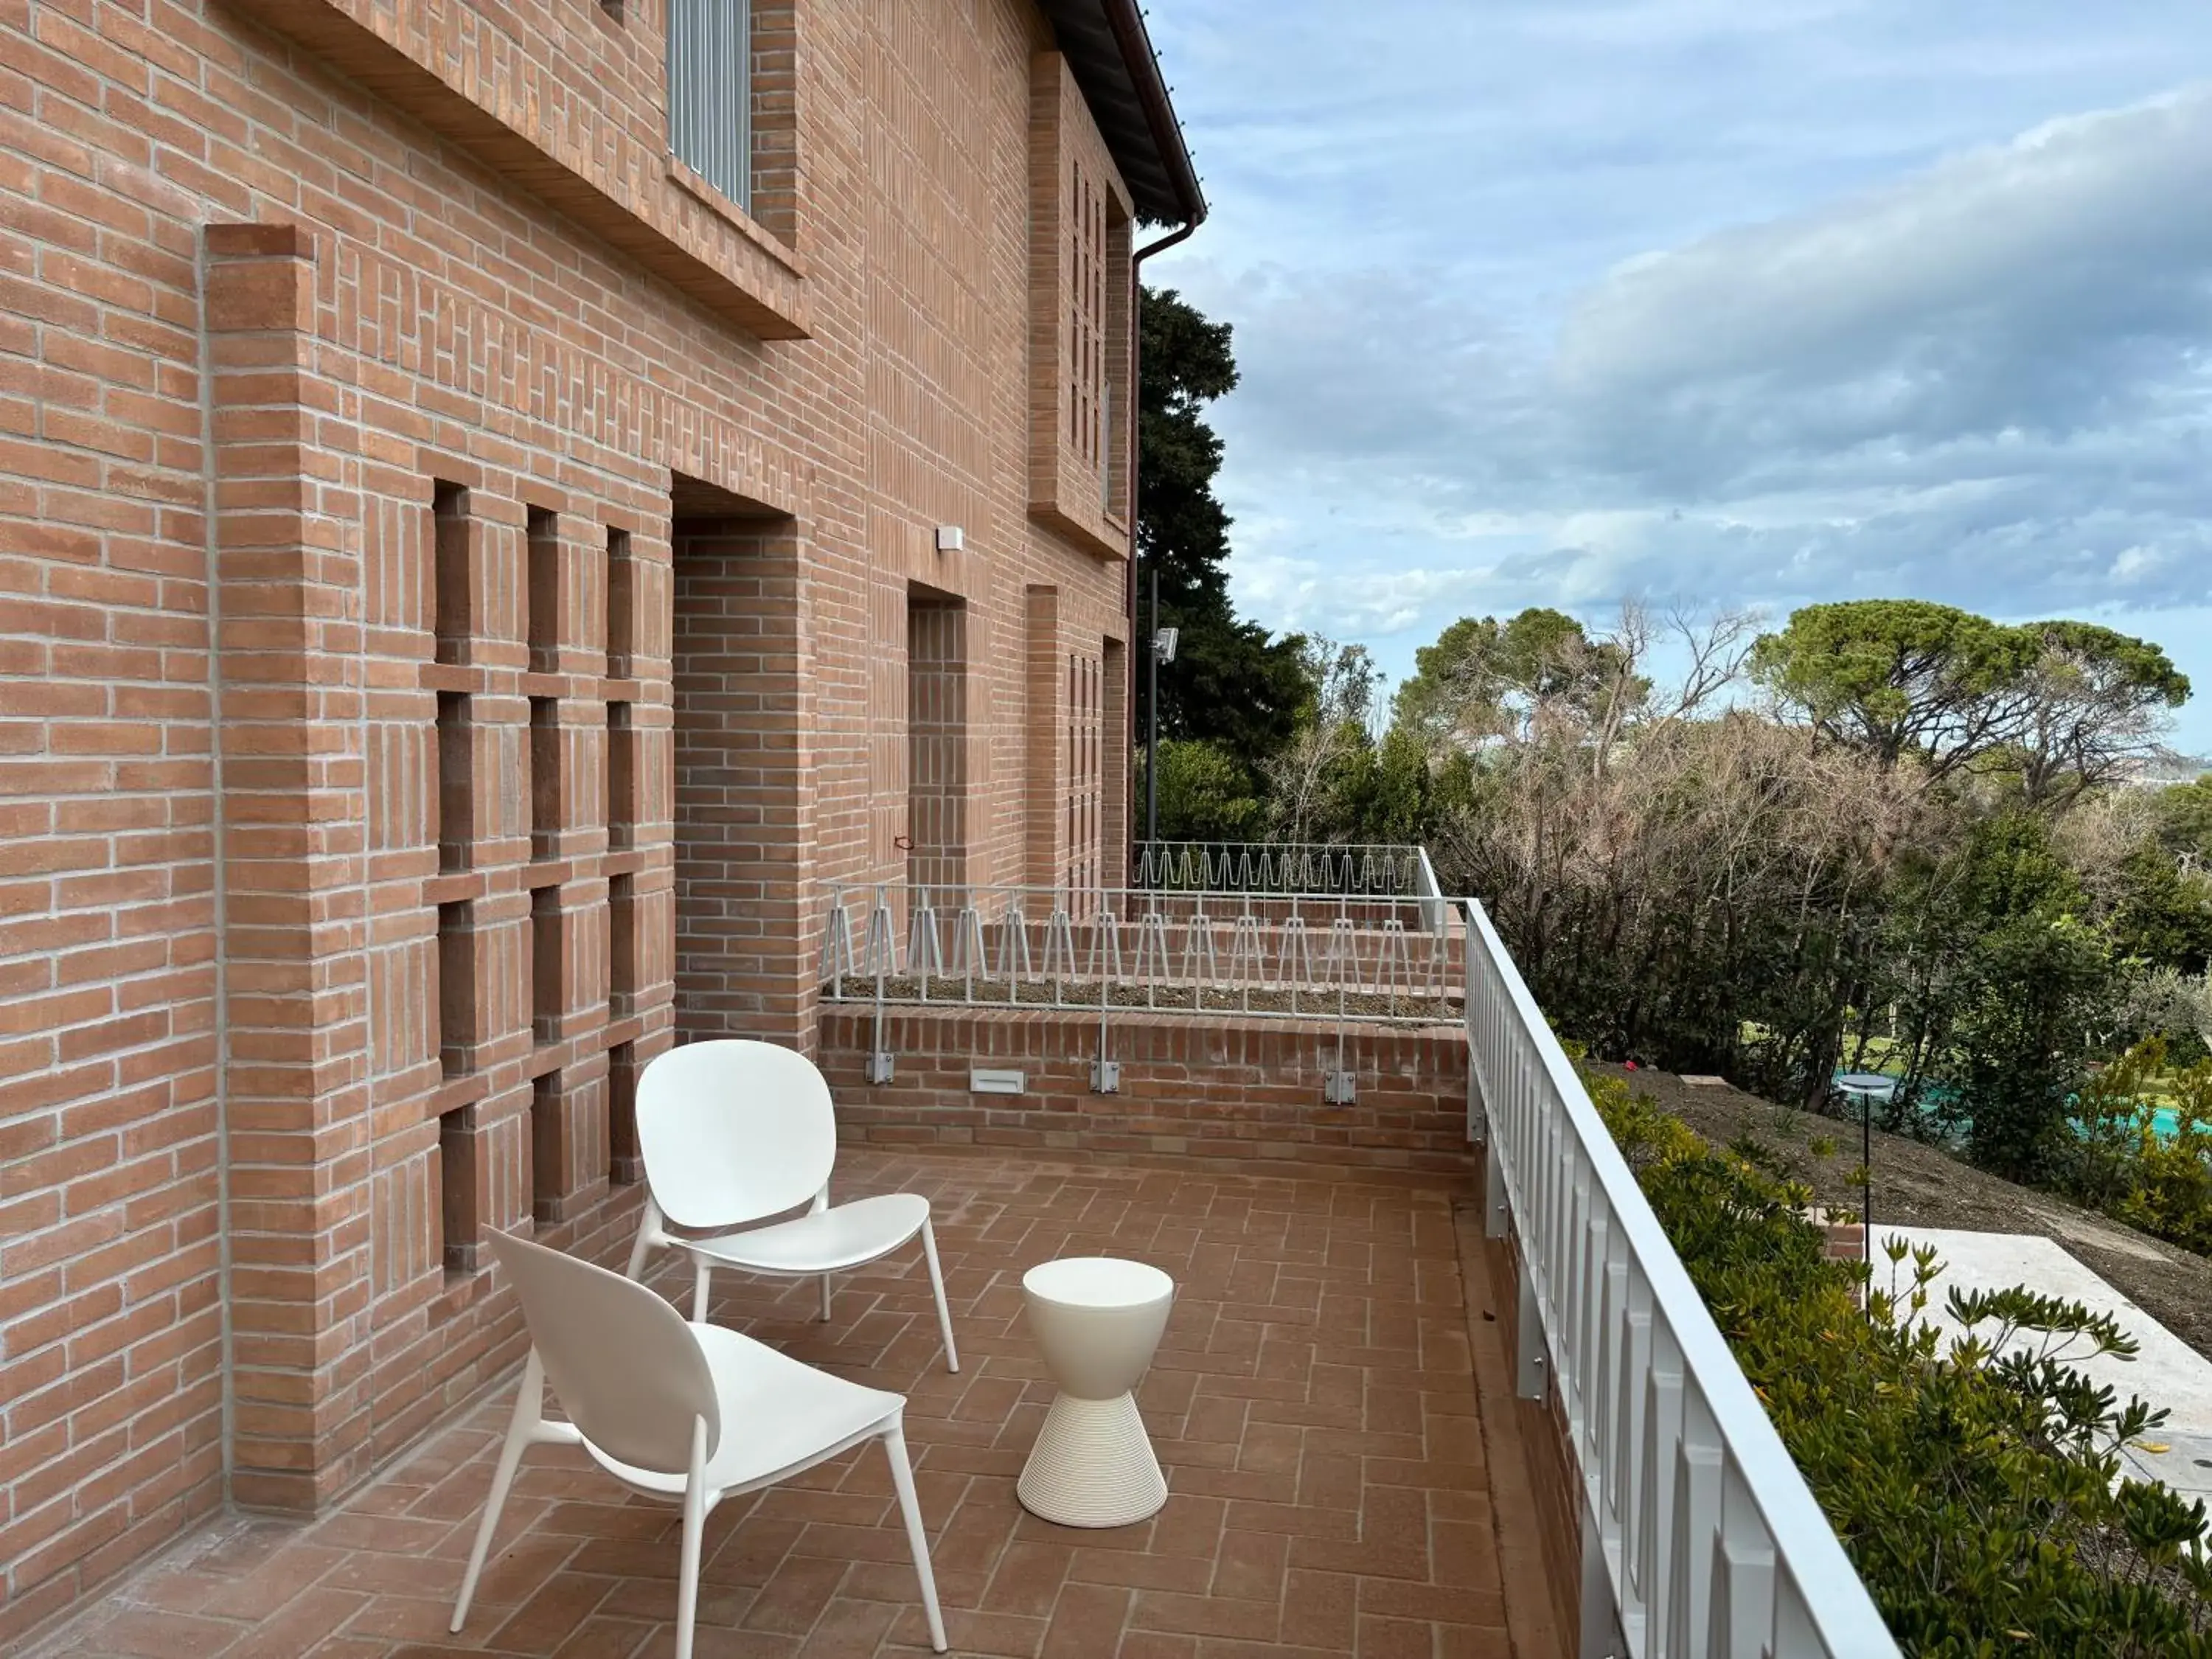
<point>1206,793</point>
<point>1978,1496</point>
<point>2031,989</point>
<point>2120,1165</point>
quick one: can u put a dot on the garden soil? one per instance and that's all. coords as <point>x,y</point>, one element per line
<point>1917,1185</point>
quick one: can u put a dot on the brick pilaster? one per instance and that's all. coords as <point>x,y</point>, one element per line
<point>295,1053</point>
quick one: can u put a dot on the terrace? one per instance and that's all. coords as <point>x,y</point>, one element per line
<point>1413,1399</point>
<point>1314,1403</point>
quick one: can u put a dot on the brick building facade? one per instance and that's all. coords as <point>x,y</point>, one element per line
<point>465,577</point>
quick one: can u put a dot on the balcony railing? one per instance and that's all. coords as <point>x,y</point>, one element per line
<point>1362,956</point>
<point>1700,1537</point>
<point>1252,866</point>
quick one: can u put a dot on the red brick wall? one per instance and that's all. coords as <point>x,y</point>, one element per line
<point>741,805</point>
<point>1216,1088</point>
<point>1555,1482</point>
<point>265,287</point>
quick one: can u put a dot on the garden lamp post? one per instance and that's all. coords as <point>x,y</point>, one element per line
<point>1863,1086</point>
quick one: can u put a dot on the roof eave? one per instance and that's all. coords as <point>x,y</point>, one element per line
<point>1111,53</point>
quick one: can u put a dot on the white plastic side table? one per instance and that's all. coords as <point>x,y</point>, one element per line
<point>1097,1321</point>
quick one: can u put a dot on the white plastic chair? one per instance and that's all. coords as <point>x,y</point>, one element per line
<point>732,1131</point>
<point>692,1412</point>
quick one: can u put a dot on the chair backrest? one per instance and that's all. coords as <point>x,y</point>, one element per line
<point>623,1364</point>
<point>733,1130</point>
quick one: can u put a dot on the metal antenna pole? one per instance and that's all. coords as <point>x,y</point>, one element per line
<point>1153,719</point>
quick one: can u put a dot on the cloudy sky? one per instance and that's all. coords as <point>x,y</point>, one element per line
<point>1739,302</point>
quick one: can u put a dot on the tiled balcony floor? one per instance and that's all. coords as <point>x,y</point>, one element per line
<point>1312,1402</point>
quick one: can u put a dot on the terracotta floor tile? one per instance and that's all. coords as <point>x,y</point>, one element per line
<point>356,1647</point>
<point>1250,1566</point>
<point>602,1637</point>
<point>1206,1615</point>
<point>257,1594</point>
<point>133,1633</point>
<point>794,1598</point>
<point>1027,1579</point>
<point>1442,1604</point>
<point>1140,1570</point>
<point>1002,1634</point>
<point>848,1629</point>
<point>1320,1609</point>
<point>298,1626</point>
<point>1471,1642</point>
<point>1088,1623</point>
<point>1394,1638</point>
<point>1311,1403</point>
<point>548,1617</point>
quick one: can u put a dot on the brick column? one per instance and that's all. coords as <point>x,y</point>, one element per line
<point>296,1056</point>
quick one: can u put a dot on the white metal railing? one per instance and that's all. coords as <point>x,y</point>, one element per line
<point>1349,957</point>
<point>1700,1537</point>
<point>1287,867</point>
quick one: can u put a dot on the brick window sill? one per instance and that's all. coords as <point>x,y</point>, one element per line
<point>685,178</point>
<point>1102,535</point>
<point>595,175</point>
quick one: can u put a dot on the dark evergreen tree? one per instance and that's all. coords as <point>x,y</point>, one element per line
<point>1231,683</point>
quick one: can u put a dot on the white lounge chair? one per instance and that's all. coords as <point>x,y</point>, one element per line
<point>690,1412</point>
<point>732,1132</point>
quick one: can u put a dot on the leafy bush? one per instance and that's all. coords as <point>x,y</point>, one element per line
<point>1976,1491</point>
<point>2165,1002</point>
<point>1204,794</point>
<point>2125,1168</point>
<point>2030,989</point>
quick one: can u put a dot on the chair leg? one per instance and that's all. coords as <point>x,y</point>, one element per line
<point>700,1287</point>
<point>937,1285</point>
<point>916,1539</point>
<point>648,1223</point>
<point>821,1203</point>
<point>527,1408</point>
<point>695,1525</point>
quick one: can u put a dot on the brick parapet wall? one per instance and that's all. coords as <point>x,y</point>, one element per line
<point>1220,1087</point>
<point>1555,1471</point>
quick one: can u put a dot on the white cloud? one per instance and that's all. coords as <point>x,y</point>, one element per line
<point>1892,328</point>
<point>2047,287</point>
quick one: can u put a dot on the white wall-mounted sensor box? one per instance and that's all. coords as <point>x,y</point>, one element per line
<point>950,538</point>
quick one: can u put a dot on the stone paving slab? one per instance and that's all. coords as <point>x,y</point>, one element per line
<point>2165,1372</point>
